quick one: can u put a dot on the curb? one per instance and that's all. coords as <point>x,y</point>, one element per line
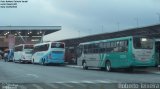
<point>74,66</point>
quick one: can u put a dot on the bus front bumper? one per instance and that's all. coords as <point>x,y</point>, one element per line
<point>144,64</point>
<point>25,60</point>
<point>55,61</point>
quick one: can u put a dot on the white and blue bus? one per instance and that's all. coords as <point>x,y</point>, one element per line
<point>50,52</point>
<point>23,53</point>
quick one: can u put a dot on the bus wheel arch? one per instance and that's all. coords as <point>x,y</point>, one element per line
<point>84,65</point>
<point>108,66</point>
<point>44,61</point>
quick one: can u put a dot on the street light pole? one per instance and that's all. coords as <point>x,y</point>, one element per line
<point>118,26</point>
<point>102,28</point>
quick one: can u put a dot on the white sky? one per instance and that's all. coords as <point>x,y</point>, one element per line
<point>82,17</point>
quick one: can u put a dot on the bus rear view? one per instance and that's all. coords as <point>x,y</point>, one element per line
<point>23,53</point>
<point>57,52</point>
<point>143,51</point>
<point>50,52</point>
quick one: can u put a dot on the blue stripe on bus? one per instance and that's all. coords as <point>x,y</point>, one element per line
<point>57,57</point>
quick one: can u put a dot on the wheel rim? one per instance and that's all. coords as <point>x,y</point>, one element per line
<point>84,65</point>
<point>43,61</point>
<point>108,66</point>
<point>33,61</point>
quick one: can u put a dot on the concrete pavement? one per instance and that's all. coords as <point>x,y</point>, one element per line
<point>32,76</point>
<point>154,70</point>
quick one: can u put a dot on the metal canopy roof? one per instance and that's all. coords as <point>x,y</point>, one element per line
<point>152,31</point>
<point>28,30</point>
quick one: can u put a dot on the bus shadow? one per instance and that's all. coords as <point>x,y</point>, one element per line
<point>53,65</point>
<point>123,71</point>
<point>133,72</point>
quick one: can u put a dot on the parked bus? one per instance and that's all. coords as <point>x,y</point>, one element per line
<point>23,53</point>
<point>124,52</point>
<point>50,52</point>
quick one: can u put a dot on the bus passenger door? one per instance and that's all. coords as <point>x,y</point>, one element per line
<point>80,55</point>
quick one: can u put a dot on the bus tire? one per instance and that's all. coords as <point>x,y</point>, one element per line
<point>20,61</point>
<point>43,62</point>
<point>108,66</point>
<point>33,61</point>
<point>84,64</point>
<point>15,61</point>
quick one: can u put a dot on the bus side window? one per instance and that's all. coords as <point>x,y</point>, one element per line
<point>90,48</point>
<point>95,48</point>
<point>117,48</point>
<point>79,51</point>
<point>108,47</point>
<point>112,46</point>
<point>125,46</point>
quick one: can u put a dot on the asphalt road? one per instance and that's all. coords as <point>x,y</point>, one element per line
<point>38,76</point>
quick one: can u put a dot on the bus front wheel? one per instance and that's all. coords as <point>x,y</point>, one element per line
<point>20,61</point>
<point>108,66</point>
<point>85,67</point>
<point>33,61</point>
<point>43,62</point>
<point>14,60</point>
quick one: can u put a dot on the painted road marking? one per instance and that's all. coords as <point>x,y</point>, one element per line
<point>78,83</point>
<point>85,81</point>
<point>101,81</point>
<point>37,86</point>
<point>52,85</point>
<point>33,75</point>
<point>67,85</point>
<point>60,82</point>
<point>22,87</point>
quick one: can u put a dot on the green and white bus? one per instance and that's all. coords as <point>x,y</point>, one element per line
<point>124,52</point>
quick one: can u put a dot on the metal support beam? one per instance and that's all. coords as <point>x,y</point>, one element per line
<point>21,37</point>
<point>42,37</point>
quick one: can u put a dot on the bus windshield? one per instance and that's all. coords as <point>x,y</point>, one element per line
<point>28,47</point>
<point>143,43</point>
<point>57,45</point>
